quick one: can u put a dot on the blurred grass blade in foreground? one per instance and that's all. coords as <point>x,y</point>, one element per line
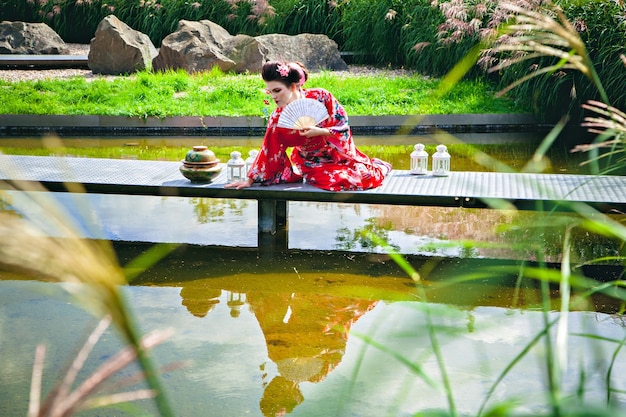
<point>39,237</point>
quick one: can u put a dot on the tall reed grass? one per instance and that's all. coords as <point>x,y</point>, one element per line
<point>541,32</point>
<point>47,243</point>
<point>561,89</point>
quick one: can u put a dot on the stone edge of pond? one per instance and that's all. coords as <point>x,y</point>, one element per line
<point>14,125</point>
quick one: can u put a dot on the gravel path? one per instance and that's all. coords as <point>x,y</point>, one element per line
<point>34,74</point>
<point>83,49</point>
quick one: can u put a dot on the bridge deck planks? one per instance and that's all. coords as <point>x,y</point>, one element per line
<point>462,189</point>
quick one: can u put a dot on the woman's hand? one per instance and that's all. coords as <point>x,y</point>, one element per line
<point>240,184</point>
<point>312,131</point>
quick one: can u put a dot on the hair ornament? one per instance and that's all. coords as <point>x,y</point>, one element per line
<point>283,70</point>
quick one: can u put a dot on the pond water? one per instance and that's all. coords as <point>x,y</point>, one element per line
<point>428,231</point>
<point>318,334</point>
<point>333,326</point>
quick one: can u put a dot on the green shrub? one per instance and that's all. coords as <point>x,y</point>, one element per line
<point>372,30</point>
<point>602,28</point>
<point>421,43</point>
<point>77,20</point>
<point>293,17</point>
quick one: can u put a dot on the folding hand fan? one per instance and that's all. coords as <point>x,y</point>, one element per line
<point>301,113</point>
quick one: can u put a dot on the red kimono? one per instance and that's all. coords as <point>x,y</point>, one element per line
<point>329,162</point>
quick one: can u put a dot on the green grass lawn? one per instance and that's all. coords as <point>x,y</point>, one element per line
<point>214,93</point>
<point>177,93</point>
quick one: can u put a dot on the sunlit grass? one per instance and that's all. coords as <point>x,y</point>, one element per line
<point>214,93</point>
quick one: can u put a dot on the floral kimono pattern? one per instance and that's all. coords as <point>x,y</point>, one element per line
<point>329,162</point>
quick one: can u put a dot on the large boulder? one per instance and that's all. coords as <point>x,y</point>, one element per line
<point>30,39</point>
<point>202,45</point>
<point>316,52</point>
<point>246,52</point>
<point>194,46</point>
<point>118,49</point>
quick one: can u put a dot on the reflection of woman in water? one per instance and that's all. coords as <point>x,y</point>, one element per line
<point>306,337</point>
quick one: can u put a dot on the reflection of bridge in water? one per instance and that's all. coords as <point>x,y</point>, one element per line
<point>541,192</point>
<point>456,281</point>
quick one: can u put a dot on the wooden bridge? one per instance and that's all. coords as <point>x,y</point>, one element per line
<point>561,192</point>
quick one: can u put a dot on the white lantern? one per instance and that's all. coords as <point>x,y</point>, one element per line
<point>235,167</point>
<point>441,162</point>
<point>419,160</point>
<point>235,302</point>
<point>250,160</point>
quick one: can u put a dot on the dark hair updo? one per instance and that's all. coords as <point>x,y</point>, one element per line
<point>285,72</point>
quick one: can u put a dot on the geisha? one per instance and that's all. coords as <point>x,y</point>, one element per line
<point>323,155</point>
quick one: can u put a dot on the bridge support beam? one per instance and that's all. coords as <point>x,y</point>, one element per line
<point>272,226</point>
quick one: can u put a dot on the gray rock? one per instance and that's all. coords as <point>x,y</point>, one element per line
<point>316,52</point>
<point>118,49</point>
<point>30,39</point>
<point>246,52</point>
<point>202,45</point>
<point>194,46</point>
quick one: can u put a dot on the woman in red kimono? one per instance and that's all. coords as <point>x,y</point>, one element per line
<point>323,155</point>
